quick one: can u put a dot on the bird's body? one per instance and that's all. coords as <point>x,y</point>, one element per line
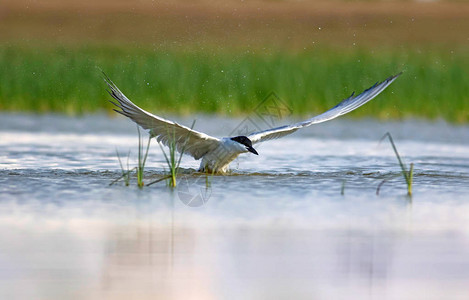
<point>219,159</point>
<point>218,153</point>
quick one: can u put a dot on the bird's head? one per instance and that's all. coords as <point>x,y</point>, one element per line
<point>243,140</point>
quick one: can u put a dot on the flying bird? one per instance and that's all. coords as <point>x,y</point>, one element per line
<point>218,153</point>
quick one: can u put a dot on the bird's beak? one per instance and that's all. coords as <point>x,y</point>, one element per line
<point>252,150</point>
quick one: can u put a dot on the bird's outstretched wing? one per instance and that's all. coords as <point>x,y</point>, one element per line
<point>346,106</point>
<point>187,140</point>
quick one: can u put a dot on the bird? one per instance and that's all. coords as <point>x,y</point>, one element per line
<point>217,153</point>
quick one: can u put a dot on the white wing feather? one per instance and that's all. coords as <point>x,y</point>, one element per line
<point>187,140</point>
<point>346,106</point>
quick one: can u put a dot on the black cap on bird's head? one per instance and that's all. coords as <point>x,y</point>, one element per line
<point>244,140</point>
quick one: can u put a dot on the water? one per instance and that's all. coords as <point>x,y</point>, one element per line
<point>277,227</point>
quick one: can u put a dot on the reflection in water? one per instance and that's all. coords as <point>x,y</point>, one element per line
<point>169,252</point>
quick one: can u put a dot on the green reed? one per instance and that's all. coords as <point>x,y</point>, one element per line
<point>173,161</point>
<point>407,174</point>
<point>141,161</point>
<point>435,83</point>
<point>125,172</point>
<point>142,158</point>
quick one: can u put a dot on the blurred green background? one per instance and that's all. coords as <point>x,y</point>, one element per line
<point>225,56</point>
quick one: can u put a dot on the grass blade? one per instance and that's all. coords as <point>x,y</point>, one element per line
<point>408,175</point>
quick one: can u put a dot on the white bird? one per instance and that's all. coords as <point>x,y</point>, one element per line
<point>218,153</point>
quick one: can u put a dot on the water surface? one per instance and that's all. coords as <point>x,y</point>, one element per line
<point>277,227</point>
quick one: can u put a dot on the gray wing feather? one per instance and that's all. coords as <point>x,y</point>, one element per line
<point>346,106</point>
<point>187,140</point>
